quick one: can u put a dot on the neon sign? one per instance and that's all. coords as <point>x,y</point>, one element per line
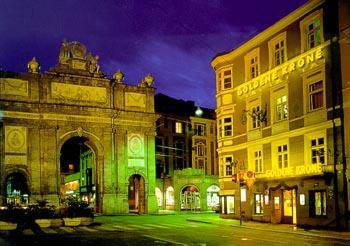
<point>280,71</point>
<point>292,171</point>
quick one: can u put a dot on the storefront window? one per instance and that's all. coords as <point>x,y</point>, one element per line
<point>230,204</point>
<point>318,203</point>
<point>259,199</point>
<point>213,197</point>
<point>302,199</point>
<point>243,194</point>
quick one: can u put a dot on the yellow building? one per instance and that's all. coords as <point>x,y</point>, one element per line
<point>279,117</point>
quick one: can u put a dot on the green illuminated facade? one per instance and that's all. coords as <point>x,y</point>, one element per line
<point>40,112</point>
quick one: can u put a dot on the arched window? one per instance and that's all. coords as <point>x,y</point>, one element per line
<point>169,196</point>
<point>159,196</point>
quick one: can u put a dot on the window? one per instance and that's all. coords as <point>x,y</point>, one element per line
<point>178,127</point>
<point>253,67</point>
<point>220,128</point>
<point>227,126</point>
<point>224,79</point>
<point>200,129</point>
<point>317,151</point>
<point>200,149</point>
<point>252,64</point>
<point>318,203</point>
<point>230,204</point>
<point>227,77</point>
<point>311,30</point>
<point>315,91</point>
<point>259,201</point>
<point>282,156</point>
<point>228,163</point>
<point>255,117</point>
<point>279,53</point>
<point>218,81</point>
<point>313,33</point>
<point>277,50</point>
<point>281,108</point>
<point>200,163</point>
<point>258,161</point>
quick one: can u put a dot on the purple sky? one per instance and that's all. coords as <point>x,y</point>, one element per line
<point>174,40</point>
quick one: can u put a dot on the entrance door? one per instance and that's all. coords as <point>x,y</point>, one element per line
<point>289,207</point>
<point>136,194</point>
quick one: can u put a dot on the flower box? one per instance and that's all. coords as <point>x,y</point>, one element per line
<point>43,223</point>
<point>72,221</point>
<point>56,223</point>
<point>7,226</point>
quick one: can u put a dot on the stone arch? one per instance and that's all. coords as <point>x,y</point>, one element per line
<point>94,143</point>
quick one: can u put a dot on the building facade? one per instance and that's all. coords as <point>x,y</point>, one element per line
<point>280,122</point>
<point>186,160</point>
<point>47,117</point>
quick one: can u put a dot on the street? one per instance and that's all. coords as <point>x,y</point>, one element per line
<point>162,230</point>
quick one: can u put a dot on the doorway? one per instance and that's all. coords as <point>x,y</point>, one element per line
<point>289,206</point>
<point>136,194</point>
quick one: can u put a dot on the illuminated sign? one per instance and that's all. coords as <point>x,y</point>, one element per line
<point>292,171</point>
<point>282,70</point>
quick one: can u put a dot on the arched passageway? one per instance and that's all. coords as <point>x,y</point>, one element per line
<point>78,171</point>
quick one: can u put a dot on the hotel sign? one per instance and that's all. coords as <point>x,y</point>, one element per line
<point>282,70</point>
<point>303,170</point>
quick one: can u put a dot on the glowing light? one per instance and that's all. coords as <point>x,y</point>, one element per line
<point>199,112</point>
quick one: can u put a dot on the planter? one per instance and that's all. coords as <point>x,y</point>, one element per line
<point>43,223</point>
<point>56,223</point>
<point>7,226</point>
<point>72,221</point>
<point>85,221</point>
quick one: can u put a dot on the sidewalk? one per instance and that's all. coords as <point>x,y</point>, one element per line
<point>278,228</point>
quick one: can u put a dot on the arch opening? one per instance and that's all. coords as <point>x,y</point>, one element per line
<point>17,191</point>
<point>78,171</point>
<point>190,198</point>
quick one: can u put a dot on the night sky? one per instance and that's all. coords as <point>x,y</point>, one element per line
<point>174,40</point>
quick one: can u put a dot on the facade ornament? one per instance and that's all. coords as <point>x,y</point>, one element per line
<point>64,52</point>
<point>92,64</point>
<point>147,81</point>
<point>78,50</point>
<point>33,66</point>
<point>118,76</point>
<point>80,131</point>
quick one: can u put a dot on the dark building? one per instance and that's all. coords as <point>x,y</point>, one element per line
<point>185,154</point>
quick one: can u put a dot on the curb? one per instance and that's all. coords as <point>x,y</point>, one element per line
<point>276,231</point>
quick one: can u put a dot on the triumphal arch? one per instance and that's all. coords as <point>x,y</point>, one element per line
<point>72,130</point>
